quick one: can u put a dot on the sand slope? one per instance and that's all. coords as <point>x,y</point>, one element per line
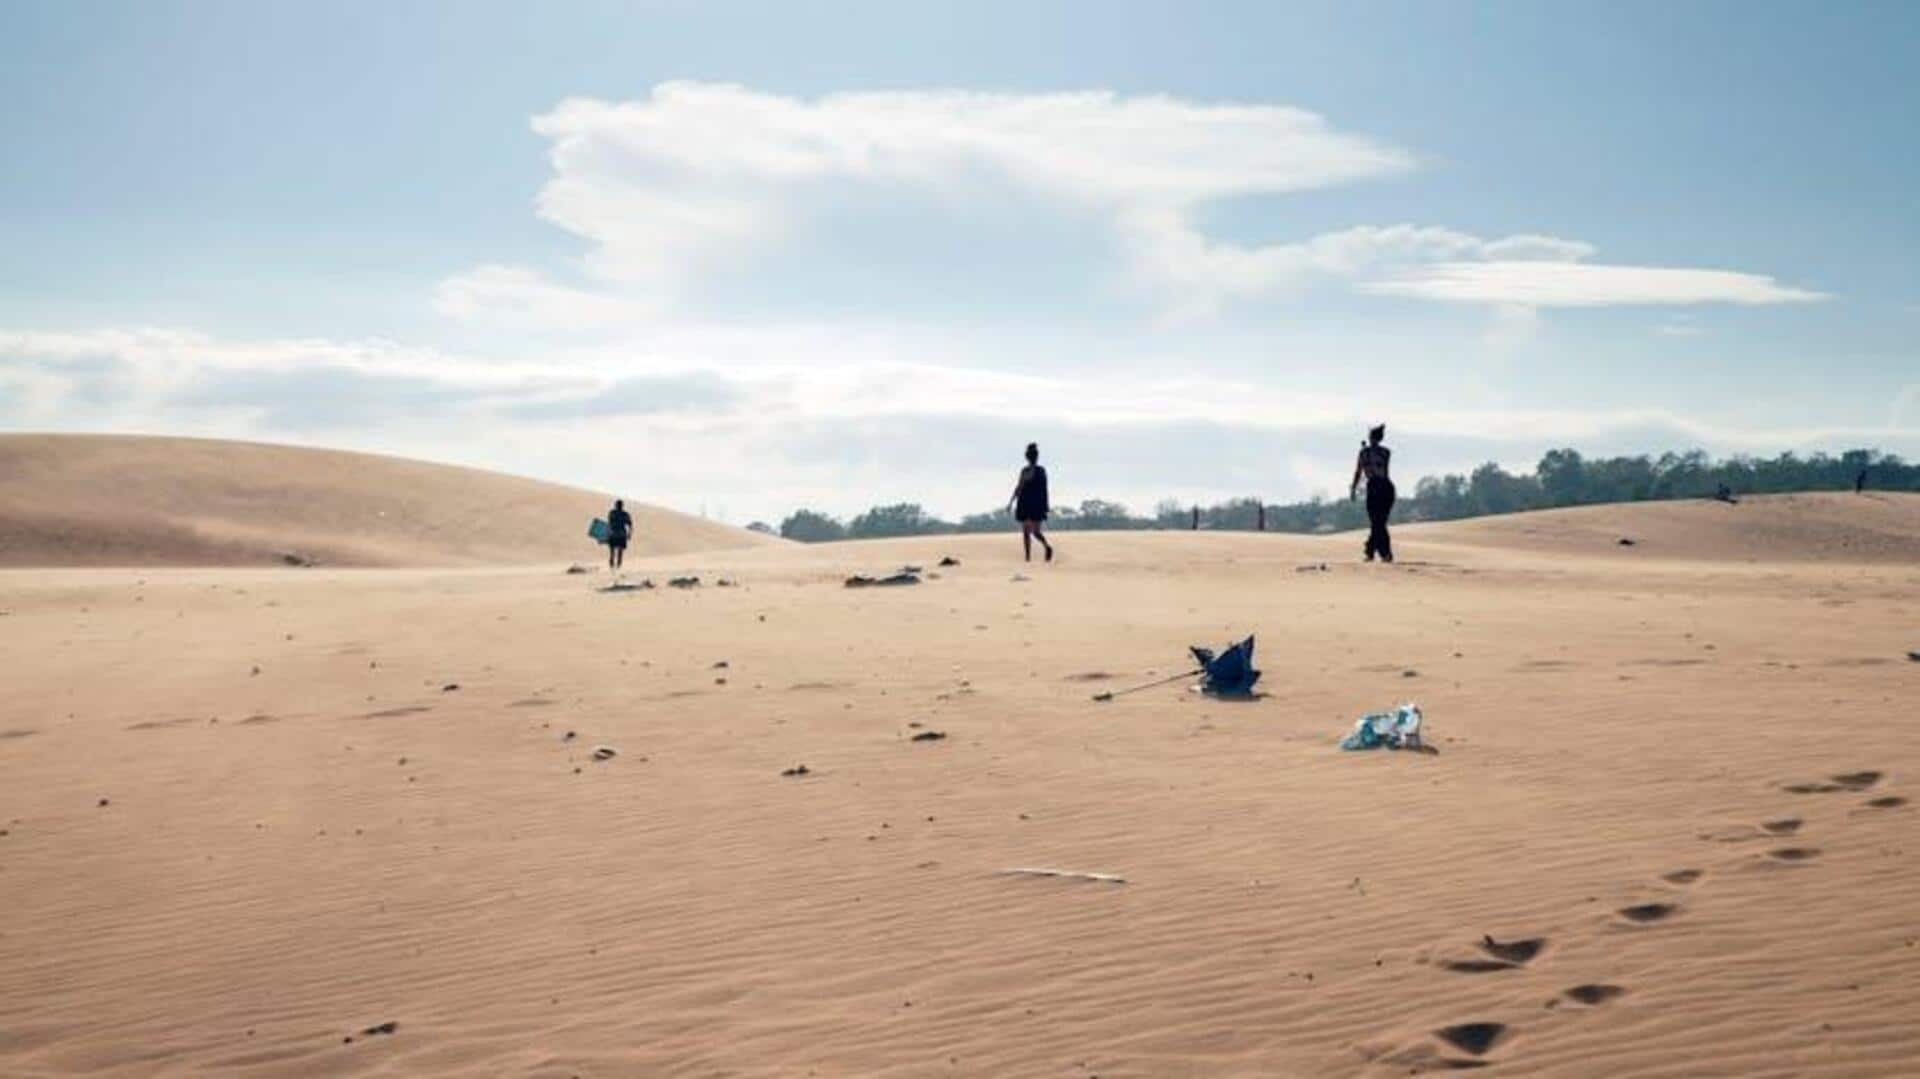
<point>251,815</point>
<point>1821,526</point>
<point>76,500</point>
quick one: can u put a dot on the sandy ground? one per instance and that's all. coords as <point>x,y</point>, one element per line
<point>251,815</point>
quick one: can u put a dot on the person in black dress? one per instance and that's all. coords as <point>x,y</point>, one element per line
<point>619,530</point>
<point>1373,464</point>
<point>1029,503</point>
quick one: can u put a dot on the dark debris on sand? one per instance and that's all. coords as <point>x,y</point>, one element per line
<point>894,580</point>
<point>387,1027</point>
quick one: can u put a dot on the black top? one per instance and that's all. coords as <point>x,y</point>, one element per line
<point>1030,494</point>
<point>1374,460</point>
<point>620,523</point>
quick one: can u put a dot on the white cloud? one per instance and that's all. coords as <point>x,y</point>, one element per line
<point>1533,283</point>
<point>700,175</point>
<point>783,432</point>
<point>701,179</point>
<point>518,298</point>
<point>1202,273</point>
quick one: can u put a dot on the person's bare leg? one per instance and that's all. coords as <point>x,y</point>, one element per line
<point>1026,539</point>
<point>1042,537</point>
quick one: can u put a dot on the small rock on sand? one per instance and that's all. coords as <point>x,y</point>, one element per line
<point>605,753</point>
<point>797,770</point>
<point>930,736</point>
<point>861,580</point>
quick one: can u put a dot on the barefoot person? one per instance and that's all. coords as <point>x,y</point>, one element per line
<point>1029,503</point>
<point>1373,462</point>
<point>619,530</point>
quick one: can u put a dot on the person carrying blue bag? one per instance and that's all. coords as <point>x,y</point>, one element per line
<point>619,530</point>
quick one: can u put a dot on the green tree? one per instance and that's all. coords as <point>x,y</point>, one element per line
<point>1562,475</point>
<point>807,526</point>
<point>899,519</point>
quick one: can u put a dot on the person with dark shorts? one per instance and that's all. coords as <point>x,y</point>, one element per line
<point>619,530</point>
<point>1029,503</point>
<point>1373,464</point>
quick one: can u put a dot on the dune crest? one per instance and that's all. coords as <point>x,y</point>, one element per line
<point>108,500</point>
<point>1810,526</point>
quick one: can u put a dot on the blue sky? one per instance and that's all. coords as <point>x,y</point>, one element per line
<point>744,257</point>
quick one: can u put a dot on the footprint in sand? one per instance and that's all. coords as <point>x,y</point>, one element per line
<point>389,713</point>
<point>1506,955</point>
<point>1594,993</point>
<point>1476,966</point>
<point>1683,876</point>
<point>1472,1038</point>
<point>1648,913</point>
<point>1857,781</point>
<point>158,724</point>
<point>1888,802</point>
<point>1794,854</point>
<point>1783,826</point>
<point>1513,951</point>
<point>17,732</point>
<point>1845,781</point>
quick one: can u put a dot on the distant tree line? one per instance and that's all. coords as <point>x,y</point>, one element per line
<point>1562,478</point>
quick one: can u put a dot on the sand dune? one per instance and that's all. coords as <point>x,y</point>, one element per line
<point>1824,526</point>
<point>84,500</point>
<point>252,817</point>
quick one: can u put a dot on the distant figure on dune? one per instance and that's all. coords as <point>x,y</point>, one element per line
<point>619,530</point>
<point>1373,464</point>
<point>1030,504</point>
<point>1860,482</point>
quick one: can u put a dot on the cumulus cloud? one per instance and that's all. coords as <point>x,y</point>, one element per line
<point>698,175</point>
<point>1202,273</point>
<point>1540,283</point>
<point>701,179</point>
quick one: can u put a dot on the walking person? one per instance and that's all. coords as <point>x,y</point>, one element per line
<point>1029,503</point>
<point>619,530</point>
<point>1373,465</point>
